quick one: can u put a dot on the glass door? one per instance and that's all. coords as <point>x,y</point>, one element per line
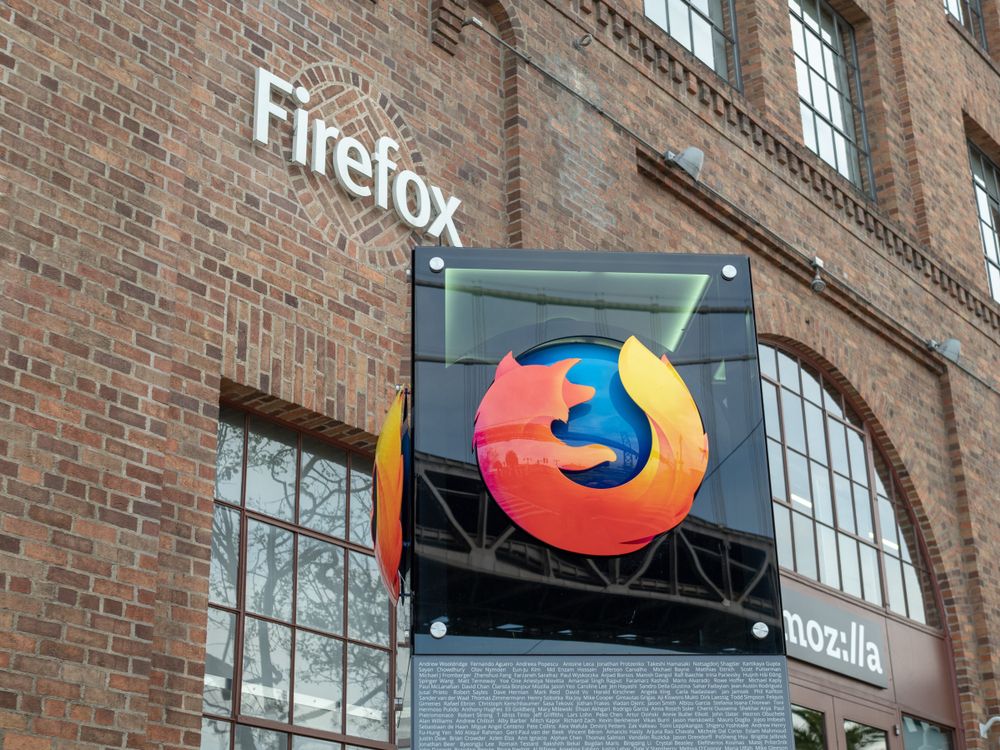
<point>865,727</point>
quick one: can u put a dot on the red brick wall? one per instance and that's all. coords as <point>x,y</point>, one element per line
<point>153,256</point>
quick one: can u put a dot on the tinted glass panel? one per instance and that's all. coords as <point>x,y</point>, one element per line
<point>320,602</point>
<point>863,737</point>
<point>368,603</point>
<point>269,570</point>
<point>319,670</point>
<point>809,728</point>
<point>220,647</point>
<point>361,501</point>
<point>271,469</point>
<point>367,696</point>
<point>267,662</point>
<point>215,734</point>
<point>255,738</point>
<point>323,490</point>
<point>225,556</point>
<point>229,458</point>
<point>919,734</point>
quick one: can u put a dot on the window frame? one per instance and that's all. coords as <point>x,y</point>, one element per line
<point>236,718</point>
<point>903,513</point>
<point>992,206</point>
<point>969,15</point>
<point>730,36</point>
<point>859,143</point>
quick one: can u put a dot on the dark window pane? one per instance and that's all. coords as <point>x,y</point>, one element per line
<point>805,547</point>
<point>229,457</point>
<point>367,692</point>
<point>776,464</point>
<point>845,503</point>
<point>368,602</point>
<point>859,464</point>
<point>269,570</point>
<point>863,737</point>
<point>225,556</point>
<point>799,489</point>
<point>220,647</point>
<point>772,422</point>
<point>768,362</point>
<point>215,734</point>
<point>361,501</point>
<point>894,585</point>
<point>849,570</point>
<point>826,542</point>
<point>863,512</point>
<point>914,594</point>
<point>809,729</point>
<point>869,574</point>
<point>271,470</point>
<point>838,446</point>
<point>323,489</point>
<point>267,663</point>
<point>255,738</point>
<point>319,677</point>
<point>817,437</point>
<point>922,735</point>
<point>788,372</point>
<point>783,536</point>
<point>822,499</point>
<point>320,602</point>
<point>791,413</point>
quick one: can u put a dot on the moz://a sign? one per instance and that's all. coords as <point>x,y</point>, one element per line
<point>360,172</point>
<point>834,637</point>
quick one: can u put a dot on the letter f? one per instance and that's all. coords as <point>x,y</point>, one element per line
<point>263,107</point>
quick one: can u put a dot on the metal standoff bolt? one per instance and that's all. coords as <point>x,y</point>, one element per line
<point>436,263</point>
<point>729,272</point>
<point>438,628</point>
<point>760,630</point>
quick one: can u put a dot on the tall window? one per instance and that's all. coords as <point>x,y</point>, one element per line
<point>839,518</point>
<point>707,28</point>
<point>826,68</point>
<point>986,183</point>
<point>298,650</point>
<point>970,14</point>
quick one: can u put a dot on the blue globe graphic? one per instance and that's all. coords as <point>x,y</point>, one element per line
<point>610,418</point>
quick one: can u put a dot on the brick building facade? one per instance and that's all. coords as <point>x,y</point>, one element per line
<point>157,261</point>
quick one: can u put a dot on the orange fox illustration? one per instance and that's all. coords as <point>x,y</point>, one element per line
<point>522,461</point>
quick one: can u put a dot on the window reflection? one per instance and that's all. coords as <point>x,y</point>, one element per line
<point>863,737</point>
<point>986,186</point>
<point>923,735</point>
<point>296,607</point>
<point>808,728</point>
<point>703,27</point>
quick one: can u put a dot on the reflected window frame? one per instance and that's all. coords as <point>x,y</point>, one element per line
<point>239,516</point>
<point>874,484</point>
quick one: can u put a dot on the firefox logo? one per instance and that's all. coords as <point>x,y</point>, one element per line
<point>590,445</point>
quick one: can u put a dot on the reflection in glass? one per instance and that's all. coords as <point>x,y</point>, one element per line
<point>805,551</point>
<point>225,556</point>
<point>271,469</point>
<point>267,663</point>
<point>229,457</point>
<point>783,536</point>
<point>323,489</point>
<point>923,735</point>
<point>913,594</point>
<point>869,574</point>
<point>894,585</point>
<point>368,602</point>
<point>320,602</point>
<point>808,729</point>
<point>367,692</point>
<point>849,569</point>
<point>826,542</point>
<point>215,734</point>
<point>269,570</point>
<point>361,501</point>
<point>220,644</point>
<point>311,743</point>
<point>255,738</point>
<point>863,737</point>
<point>319,674</point>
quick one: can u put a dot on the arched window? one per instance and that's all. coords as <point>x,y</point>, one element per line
<point>839,517</point>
